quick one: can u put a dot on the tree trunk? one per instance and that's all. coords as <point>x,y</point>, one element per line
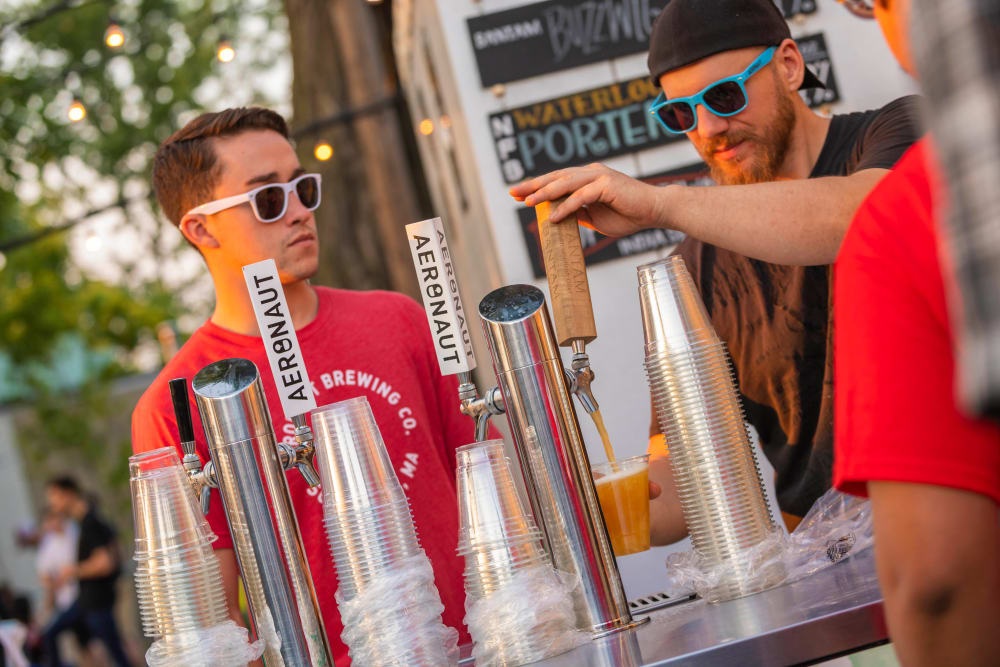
<point>341,60</point>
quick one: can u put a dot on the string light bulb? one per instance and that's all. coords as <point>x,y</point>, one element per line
<point>93,242</point>
<point>426,127</point>
<point>323,151</point>
<point>225,53</point>
<point>114,37</point>
<point>76,112</point>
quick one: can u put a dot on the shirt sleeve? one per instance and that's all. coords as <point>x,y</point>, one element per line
<point>890,134</point>
<point>896,418</point>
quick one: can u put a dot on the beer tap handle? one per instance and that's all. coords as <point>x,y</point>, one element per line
<point>182,412</point>
<point>566,271</point>
<point>201,478</point>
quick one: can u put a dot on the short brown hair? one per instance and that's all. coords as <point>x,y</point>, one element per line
<point>185,168</point>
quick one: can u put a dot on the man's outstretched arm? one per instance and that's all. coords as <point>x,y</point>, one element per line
<point>796,222</point>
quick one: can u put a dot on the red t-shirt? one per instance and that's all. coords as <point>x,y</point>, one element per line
<point>372,344</point>
<point>896,417</point>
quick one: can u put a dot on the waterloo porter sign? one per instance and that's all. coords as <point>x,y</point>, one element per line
<point>575,129</point>
<point>598,248</point>
<point>612,120</point>
<point>555,35</point>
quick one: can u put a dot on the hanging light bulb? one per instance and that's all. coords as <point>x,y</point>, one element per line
<point>323,151</point>
<point>114,37</point>
<point>426,126</point>
<point>225,53</point>
<point>93,242</point>
<point>76,112</point>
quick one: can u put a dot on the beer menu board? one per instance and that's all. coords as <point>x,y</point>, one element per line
<point>817,57</point>
<point>604,122</point>
<point>555,35</point>
<point>575,129</point>
<point>598,248</point>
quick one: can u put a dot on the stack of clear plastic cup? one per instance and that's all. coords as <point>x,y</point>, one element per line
<point>388,602</point>
<point>178,581</point>
<point>715,466</point>
<point>519,610</point>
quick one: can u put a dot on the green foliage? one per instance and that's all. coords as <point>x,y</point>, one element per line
<point>66,334</point>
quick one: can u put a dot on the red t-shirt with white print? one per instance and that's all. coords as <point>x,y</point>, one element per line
<point>372,344</point>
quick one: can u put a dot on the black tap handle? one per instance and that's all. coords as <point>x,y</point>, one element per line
<point>182,409</point>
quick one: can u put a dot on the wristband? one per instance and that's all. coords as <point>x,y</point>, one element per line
<point>658,447</point>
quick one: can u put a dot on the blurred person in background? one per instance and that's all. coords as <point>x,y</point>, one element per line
<point>931,471</point>
<point>57,550</point>
<point>96,569</point>
<point>956,49</point>
<point>760,243</point>
<point>233,185</point>
<point>16,633</point>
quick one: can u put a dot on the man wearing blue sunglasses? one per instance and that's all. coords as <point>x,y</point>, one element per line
<point>759,246</point>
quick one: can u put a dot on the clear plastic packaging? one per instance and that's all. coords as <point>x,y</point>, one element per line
<point>529,619</point>
<point>396,620</point>
<point>837,526</point>
<point>224,645</point>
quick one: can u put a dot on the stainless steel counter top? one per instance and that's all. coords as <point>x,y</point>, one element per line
<point>834,611</point>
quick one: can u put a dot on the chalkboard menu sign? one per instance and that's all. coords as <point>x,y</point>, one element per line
<point>817,57</point>
<point>576,129</point>
<point>598,248</point>
<point>551,36</point>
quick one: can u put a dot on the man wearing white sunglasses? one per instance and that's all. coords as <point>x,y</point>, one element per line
<point>759,245</point>
<point>233,185</point>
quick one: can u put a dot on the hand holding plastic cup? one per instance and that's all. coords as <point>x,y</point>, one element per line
<point>623,491</point>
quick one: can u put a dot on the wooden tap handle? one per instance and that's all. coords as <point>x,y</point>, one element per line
<point>567,275</point>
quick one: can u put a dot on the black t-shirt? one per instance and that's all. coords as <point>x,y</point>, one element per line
<point>777,320</point>
<point>99,592</point>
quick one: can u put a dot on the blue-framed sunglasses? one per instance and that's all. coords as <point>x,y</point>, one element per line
<point>725,97</point>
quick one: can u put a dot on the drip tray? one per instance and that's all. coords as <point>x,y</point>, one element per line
<point>650,603</point>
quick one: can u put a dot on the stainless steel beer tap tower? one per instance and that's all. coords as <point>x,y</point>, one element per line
<point>535,393</point>
<point>250,470</point>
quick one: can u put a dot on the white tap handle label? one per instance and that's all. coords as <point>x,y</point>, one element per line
<point>442,301</point>
<point>280,341</point>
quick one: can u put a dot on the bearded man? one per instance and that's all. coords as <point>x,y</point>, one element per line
<point>760,244</point>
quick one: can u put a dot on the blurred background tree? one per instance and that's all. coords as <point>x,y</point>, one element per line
<point>88,90</point>
<point>89,269</point>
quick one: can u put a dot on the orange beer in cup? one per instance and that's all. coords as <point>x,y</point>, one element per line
<point>623,491</point>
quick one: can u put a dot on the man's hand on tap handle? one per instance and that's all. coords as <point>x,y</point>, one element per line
<point>603,199</point>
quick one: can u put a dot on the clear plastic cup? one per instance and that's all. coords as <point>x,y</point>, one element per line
<point>351,457</point>
<point>489,507</point>
<point>166,514</point>
<point>623,491</point>
<point>673,314</point>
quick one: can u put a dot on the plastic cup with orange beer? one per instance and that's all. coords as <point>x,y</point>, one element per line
<point>623,491</point>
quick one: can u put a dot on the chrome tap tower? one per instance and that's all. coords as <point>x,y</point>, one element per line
<point>249,467</point>
<point>535,392</point>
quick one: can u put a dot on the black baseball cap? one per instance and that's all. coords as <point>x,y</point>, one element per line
<point>688,30</point>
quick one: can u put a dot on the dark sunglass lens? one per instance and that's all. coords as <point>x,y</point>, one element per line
<point>678,117</point>
<point>308,192</point>
<point>725,98</point>
<point>270,202</point>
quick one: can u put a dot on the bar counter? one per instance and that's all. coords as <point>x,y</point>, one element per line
<point>833,612</point>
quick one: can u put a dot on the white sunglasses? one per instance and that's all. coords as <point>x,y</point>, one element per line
<point>269,202</point>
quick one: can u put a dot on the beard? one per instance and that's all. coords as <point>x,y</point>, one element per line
<point>761,166</point>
